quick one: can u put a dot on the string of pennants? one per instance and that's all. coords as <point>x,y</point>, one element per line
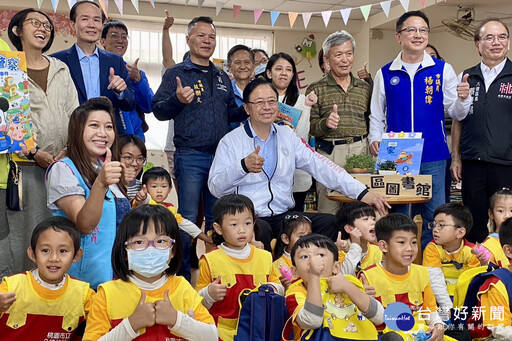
<point>292,16</point>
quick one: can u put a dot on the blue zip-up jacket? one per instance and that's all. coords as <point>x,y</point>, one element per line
<point>143,97</point>
<point>201,124</point>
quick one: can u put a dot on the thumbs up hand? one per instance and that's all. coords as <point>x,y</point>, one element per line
<point>216,290</point>
<point>185,94</point>
<point>144,315</point>
<point>169,21</point>
<point>363,73</point>
<point>141,195</point>
<point>166,314</point>
<point>463,87</point>
<point>111,171</point>
<point>116,83</point>
<point>133,71</point>
<point>254,162</point>
<point>334,118</point>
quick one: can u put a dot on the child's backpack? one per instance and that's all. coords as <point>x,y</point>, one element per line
<point>263,314</point>
<point>465,299</point>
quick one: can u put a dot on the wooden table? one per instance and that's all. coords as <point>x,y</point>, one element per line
<point>392,200</point>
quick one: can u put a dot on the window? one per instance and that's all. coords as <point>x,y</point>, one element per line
<point>146,44</point>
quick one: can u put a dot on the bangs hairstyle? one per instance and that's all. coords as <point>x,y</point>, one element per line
<point>125,140</point>
<point>111,24</point>
<point>57,224</point>
<point>76,147</point>
<point>504,191</point>
<point>385,227</point>
<point>295,219</point>
<point>136,222</point>
<point>292,91</point>
<point>314,239</point>
<point>461,214</point>
<point>348,213</point>
<point>400,21</point>
<point>253,85</point>
<point>156,173</point>
<point>18,20</point>
<point>505,233</point>
<point>232,204</point>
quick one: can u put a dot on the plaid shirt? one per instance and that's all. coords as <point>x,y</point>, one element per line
<point>353,107</point>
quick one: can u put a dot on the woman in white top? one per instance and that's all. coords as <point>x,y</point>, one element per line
<point>282,73</point>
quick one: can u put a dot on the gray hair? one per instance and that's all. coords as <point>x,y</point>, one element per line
<point>337,38</point>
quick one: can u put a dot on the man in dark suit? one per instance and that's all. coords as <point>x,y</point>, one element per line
<point>96,72</point>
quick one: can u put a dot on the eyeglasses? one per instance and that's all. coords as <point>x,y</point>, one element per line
<point>489,39</point>
<point>290,217</point>
<point>129,160</point>
<point>411,30</point>
<point>141,243</point>
<point>37,23</point>
<point>271,103</point>
<point>262,61</point>
<point>432,225</point>
<point>116,36</point>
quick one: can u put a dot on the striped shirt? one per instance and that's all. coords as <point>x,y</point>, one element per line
<point>353,107</point>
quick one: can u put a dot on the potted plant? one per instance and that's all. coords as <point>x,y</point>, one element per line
<point>387,168</point>
<point>363,163</point>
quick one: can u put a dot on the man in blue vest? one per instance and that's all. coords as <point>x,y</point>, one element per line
<point>410,94</point>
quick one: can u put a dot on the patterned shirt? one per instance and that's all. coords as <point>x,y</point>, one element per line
<point>353,107</point>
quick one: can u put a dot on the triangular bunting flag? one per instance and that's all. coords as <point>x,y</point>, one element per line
<point>218,6</point>
<point>39,3</point>
<point>200,3</point>
<point>119,4</point>
<point>366,11</point>
<point>345,14</point>
<point>104,6</point>
<point>70,3</point>
<point>405,4</point>
<point>386,5</point>
<point>326,15</point>
<point>55,4</point>
<point>135,4</point>
<point>257,15</point>
<point>305,18</point>
<point>152,3</point>
<point>236,10</point>
<point>292,16</point>
<point>273,17</point>
<point>423,3</point>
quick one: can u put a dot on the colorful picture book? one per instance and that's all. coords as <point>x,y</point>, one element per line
<point>288,115</point>
<point>15,117</point>
<point>404,149</point>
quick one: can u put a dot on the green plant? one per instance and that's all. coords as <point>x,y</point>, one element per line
<point>363,161</point>
<point>387,165</point>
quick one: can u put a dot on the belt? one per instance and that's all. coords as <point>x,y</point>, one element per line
<point>346,140</point>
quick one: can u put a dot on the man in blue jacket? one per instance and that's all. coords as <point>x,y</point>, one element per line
<point>96,72</point>
<point>114,38</point>
<point>199,98</point>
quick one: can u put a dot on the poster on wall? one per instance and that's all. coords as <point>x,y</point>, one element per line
<point>15,116</point>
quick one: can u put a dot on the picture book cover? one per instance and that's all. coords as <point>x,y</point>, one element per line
<point>288,115</point>
<point>15,117</point>
<point>404,149</point>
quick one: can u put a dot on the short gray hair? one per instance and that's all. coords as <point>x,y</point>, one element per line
<point>337,38</point>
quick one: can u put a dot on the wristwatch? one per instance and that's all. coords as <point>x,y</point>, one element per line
<point>31,155</point>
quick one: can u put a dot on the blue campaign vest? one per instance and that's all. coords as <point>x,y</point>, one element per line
<point>95,266</point>
<point>426,94</point>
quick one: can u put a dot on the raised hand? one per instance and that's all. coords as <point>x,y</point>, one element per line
<point>341,244</point>
<point>116,83</point>
<point>133,71</point>
<point>185,94</point>
<point>141,195</point>
<point>338,283</point>
<point>334,118</point>
<point>363,73</point>
<point>169,21</point>
<point>144,315</point>
<point>311,99</point>
<point>355,235</point>
<point>316,265</point>
<point>166,314</point>
<point>216,290</point>
<point>463,87</point>
<point>111,171</point>
<point>377,201</point>
<point>6,300</point>
<point>254,162</point>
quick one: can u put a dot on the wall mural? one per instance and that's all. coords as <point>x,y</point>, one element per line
<point>61,23</point>
<point>307,50</point>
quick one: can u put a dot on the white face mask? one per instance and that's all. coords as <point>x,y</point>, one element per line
<point>148,263</point>
<point>260,68</point>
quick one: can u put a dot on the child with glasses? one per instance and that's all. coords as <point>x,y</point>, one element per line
<point>147,301</point>
<point>449,255</point>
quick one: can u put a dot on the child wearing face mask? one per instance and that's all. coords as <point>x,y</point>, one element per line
<point>147,301</point>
